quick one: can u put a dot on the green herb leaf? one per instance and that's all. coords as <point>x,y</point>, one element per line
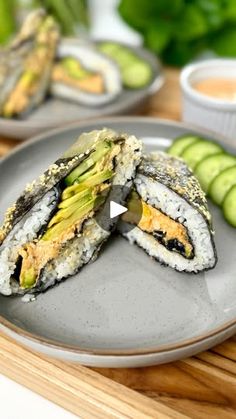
<point>229,10</point>
<point>225,43</point>
<point>141,14</point>
<point>213,12</point>
<point>178,54</point>
<point>158,36</point>
<point>192,24</point>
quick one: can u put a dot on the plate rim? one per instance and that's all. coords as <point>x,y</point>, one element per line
<point>75,349</point>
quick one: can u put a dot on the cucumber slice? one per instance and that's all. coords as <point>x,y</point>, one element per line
<point>211,166</point>
<point>221,185</point>
<point>229,206</point>
<point>108,48</point>
<point>125,58</point>
<point>137,75</point>
<point>180,143</point>
<point>196,152</point>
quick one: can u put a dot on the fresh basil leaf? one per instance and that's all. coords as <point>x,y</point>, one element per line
<point>142,14</point>
<point>213,12</point>
<point>229,10</point>
<point>225,43</point>
<point>192,24</point>
<point>158,36</point>
<point>209,6</point>
<point>178,53</point>
<point>178,30</point>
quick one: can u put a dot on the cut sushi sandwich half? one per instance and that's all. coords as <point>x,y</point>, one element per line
<point>174,226</point>
<point>82,74</point>
<point>53,228</point>
<point>25,65</point>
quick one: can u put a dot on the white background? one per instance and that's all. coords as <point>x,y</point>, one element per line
<point>17,402</point>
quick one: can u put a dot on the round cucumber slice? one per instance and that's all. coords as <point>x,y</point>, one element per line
<point>137,75</point>
<point>211,166</point>
<point>108,48</point>
<point>222,183</point>
<point>119,53</point>
<point>229,206</point>
<point>196,152</point>
<point>125,58</point>
<point>180,143</point>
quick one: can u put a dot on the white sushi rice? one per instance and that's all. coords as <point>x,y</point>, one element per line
<point>24,231</point>
<point>171,204</point>
<point>77,252</point>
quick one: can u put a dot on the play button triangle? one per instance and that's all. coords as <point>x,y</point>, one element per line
<point>116,209</point>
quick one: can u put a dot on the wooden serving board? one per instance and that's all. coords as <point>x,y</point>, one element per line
<point>200,387</point>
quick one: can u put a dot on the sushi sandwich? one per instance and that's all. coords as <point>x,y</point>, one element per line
<point>53,228</point>
<point>175,225</point>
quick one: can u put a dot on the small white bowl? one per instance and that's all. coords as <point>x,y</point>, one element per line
<point>204,111</point>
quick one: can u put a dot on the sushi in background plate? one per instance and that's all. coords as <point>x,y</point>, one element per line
<point>84,75</point>
<point>57,111</point>
<point>26,64</point>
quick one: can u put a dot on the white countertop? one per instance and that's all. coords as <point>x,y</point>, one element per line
<point>18,402</point>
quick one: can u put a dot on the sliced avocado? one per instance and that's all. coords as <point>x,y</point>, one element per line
<point>27,79</point>
<point>58,229</point>
<point>47,24</point>
<point>99,178</point>
<point>24,83</point>
<point>133,200</point>
<point>89,183</point>
<point>69,201</point>
<point>28,278</point>
<point>188,251</point>
<point>101,150</point>
<point>65,213</point>
<point>78,201</point>
<point>74,68</point>
<point>134,212</point>
<point>72,190</point>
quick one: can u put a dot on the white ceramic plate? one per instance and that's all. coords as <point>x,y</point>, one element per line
<point>55,112</point>
<point>125,309</point>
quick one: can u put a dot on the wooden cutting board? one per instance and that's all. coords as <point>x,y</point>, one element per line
<point>200,387</point>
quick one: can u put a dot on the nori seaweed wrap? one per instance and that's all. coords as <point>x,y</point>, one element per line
<point>174,224</point>
<point>53,228</point>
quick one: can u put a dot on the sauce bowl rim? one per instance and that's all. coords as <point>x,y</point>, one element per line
<point>196,96</point>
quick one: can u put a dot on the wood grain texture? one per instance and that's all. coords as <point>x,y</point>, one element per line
<point>80,390</point>
<point>196,409</point>
<point>201,387</point>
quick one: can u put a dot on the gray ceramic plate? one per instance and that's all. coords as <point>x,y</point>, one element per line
<point>54,112</point>
<point>124,309</point>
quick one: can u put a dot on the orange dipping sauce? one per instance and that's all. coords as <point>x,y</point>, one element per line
<point>219,88</point>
